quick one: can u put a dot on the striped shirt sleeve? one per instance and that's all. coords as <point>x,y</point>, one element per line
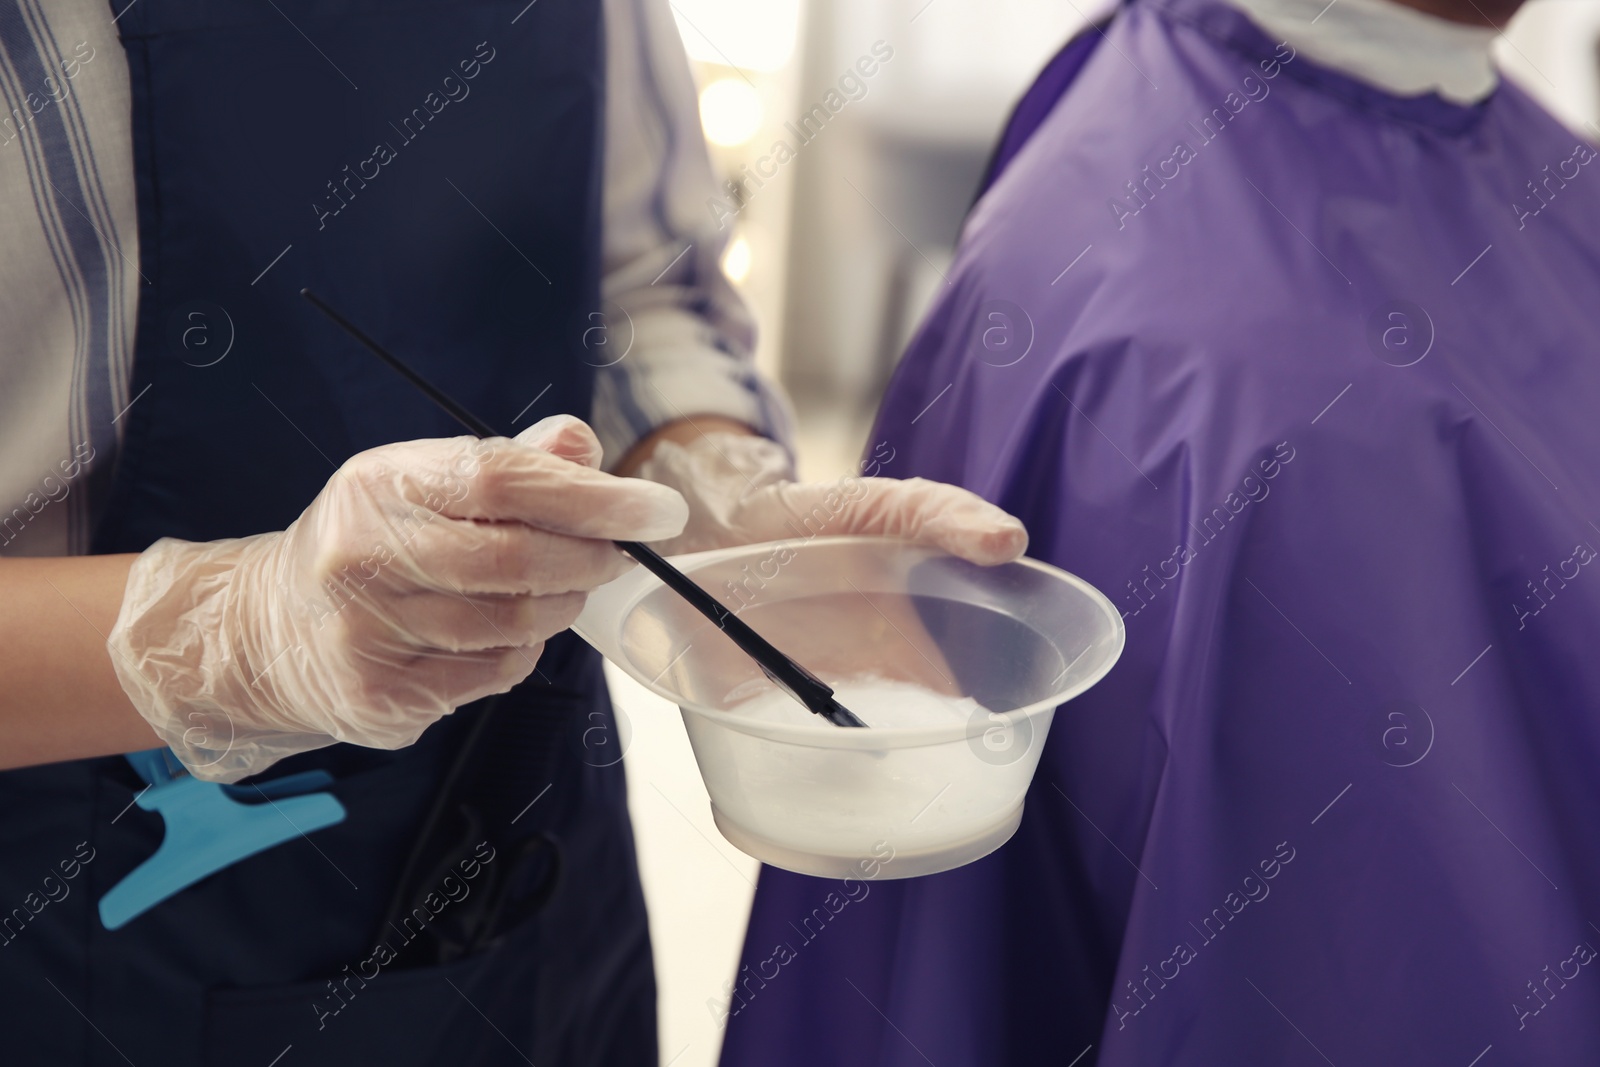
<point>674,339</point>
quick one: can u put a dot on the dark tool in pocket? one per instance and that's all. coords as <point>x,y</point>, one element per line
<point>474,873</point>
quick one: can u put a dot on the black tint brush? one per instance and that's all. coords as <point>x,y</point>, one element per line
<point>788,675</point>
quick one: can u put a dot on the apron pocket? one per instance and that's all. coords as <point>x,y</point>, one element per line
<point>478,1010</point>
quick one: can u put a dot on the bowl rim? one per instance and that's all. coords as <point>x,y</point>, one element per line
<point>808,734</point>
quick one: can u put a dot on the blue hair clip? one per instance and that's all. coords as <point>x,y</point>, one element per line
<point>212,826</point>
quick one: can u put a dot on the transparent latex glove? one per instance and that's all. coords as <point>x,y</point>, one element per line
<point>424,576</point>
<point>741,490</point>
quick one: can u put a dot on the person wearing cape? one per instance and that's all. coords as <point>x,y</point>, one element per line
<point>1281,329</point>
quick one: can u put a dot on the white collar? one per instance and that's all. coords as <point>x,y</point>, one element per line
<point>1395,48</point>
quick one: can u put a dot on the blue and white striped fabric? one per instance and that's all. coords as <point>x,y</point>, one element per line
<point>675,340</point>
<point>68,267</point>
<point>692,336</point>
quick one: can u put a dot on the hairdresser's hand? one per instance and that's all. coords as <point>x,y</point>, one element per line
<point>425,575</point>
<point>741,490</point>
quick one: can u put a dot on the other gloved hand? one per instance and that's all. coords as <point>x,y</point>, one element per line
<point>425,575</point>
<point>740,490</point>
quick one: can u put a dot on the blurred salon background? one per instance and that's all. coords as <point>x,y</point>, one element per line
<point>888,109</point>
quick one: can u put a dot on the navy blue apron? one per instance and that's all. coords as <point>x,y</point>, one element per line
<point>433,168</point>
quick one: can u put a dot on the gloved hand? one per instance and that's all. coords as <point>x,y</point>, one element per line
<point>425,575</point>
<point>741,490</point>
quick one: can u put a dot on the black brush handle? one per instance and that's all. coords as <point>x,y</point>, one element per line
<point>794,679</point>
<point>427,388</point>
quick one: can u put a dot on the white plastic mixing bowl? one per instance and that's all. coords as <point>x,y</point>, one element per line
<point>876,619</point>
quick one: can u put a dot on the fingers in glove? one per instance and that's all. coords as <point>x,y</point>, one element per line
<point>469,676</point>
<point>445,622</point>
<point>976,530</point>
<point>551,493</point>
<point>499,479</point>
<point>565,436</point>
<point>520,483</point>
<point>391,700</point>
<point>462,556</point>
<point>946,516</point>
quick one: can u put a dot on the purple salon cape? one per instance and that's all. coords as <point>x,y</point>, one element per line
<point>1306,378</point>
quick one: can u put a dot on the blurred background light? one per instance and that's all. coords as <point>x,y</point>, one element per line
<point>736,260</point>
<point>730,111</point>
<point>751,35</point>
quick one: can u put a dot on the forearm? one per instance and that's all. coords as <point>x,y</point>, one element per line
<point>59,696</point>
